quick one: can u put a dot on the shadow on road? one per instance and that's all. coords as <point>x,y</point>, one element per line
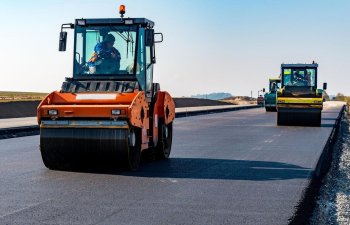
<point>327,125</point>
<point>329,118</point>
<point>204,168</point>
<point>222,169</point>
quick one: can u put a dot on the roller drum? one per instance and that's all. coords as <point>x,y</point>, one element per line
<point>65,148</point>
<point>299,118</point>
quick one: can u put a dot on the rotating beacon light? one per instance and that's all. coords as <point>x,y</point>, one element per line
<point>122,10</point>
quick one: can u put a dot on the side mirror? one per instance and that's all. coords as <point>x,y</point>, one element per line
<point>62,41</point>
<point>158,37</point>
<point>150,43</point>
<point>324,86</point>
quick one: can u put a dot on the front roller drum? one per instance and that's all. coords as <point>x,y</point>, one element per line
<point>71,148</point>
<point>303,118</point>
<point>270,109</point>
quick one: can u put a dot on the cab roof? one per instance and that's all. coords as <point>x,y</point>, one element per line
<point>141,21</point>
<point>299,65</point>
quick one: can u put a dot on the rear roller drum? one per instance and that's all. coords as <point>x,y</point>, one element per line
<point>270,109</point>
<point>281,119</point>
<point>134,149</point>
<point>165,135</point>
<point>317,119</point>
<point>299,118</point>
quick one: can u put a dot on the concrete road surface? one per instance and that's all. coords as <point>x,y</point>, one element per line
<point>226,168</point>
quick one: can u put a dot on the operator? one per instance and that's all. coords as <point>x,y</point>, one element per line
<point>106,58</point>
<point>308,78</point>
<point>273,87</point>
<point>298,79</point>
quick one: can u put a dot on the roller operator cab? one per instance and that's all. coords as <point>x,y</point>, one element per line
<point>299,102</point>
<point>109,111</point>
<point>270,97</point>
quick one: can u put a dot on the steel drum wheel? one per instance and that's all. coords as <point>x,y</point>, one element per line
<point>71,148</point>
<point>134,149</point>
<point>163,148</point>
<point>302,119</point>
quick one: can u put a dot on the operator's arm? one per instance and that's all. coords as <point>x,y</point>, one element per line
<point>102,52</point>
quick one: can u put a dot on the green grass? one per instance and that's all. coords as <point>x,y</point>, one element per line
<point>12,96</point>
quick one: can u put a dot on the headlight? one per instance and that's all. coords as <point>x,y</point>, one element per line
<point>81,22</point>
<point>129,22</point>
<point>53,112</point>
<point>116,112</point>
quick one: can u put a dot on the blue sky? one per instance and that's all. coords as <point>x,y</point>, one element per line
<point>210,46</point>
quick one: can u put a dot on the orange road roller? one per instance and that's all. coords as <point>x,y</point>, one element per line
<point>109,112</point>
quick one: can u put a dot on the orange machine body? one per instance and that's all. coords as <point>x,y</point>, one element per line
<point>133,107</point>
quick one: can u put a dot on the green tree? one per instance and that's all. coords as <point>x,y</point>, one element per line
<point>347,98</point>
<point>340,97</point>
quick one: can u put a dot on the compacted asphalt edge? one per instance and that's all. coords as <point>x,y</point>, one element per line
<point>307,204</point>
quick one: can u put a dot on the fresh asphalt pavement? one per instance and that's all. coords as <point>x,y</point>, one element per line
<point>225,168</point>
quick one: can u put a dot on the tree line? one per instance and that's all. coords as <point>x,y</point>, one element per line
<point>342,97</point>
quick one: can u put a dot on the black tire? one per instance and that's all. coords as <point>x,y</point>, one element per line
<point>165,138</point>
<point>134,150</point>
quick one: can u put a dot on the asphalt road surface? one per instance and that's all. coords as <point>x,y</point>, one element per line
<point>226,168</point>
<point>32,121</point>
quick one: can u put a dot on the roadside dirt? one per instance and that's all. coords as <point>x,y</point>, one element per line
<point>18,109</point>
<point>240,100</point>
<point>193,102</point>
